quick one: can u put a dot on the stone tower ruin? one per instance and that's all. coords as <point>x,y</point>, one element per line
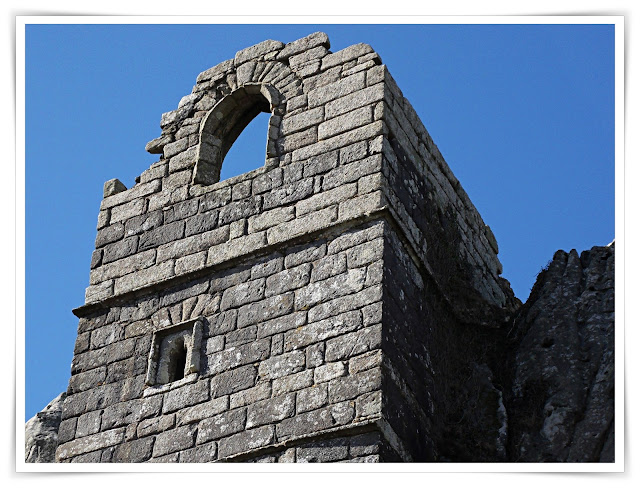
<point>322,307</point>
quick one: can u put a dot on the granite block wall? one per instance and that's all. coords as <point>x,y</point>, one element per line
<point>293,308</point>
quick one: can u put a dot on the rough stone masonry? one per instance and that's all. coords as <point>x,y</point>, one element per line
<point>341,303</point>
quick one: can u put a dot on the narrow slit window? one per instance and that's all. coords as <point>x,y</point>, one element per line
<point>175,353</point>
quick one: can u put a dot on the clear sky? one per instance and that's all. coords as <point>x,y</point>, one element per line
<point>523,114</point>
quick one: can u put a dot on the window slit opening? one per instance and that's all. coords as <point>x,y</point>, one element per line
<point>178,362</point>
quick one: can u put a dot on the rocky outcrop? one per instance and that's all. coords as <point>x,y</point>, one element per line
<point>41,433</point>
<point>561,401</point>
<point>538,387</point>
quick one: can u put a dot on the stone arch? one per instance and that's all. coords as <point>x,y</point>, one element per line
<point>223,124</point>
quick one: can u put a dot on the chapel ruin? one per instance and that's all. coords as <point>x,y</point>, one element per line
<point>343,302</point>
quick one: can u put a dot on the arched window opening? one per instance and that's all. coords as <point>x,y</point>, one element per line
<point>249,149</point>
<point>224,124</point>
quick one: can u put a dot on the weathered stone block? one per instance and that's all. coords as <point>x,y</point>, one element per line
<point>352,171</point>
<point>241,336</point>
<point>267,267</point>
<point>246,441</point>
<point>174,148</point>
<point>271,410</point>
<point>238,295</point>
<point>270,218</point>
<point>319,331</point>
<point>109,234</point>
<point>365,361</point>
<point>250,395</point>
<point>156,171</point>
<point>329,266</point>
<point>287,280</point>
<point>174,440</point>
<point>325,199</point>
<point>215,199</point>
<point>223,322</point>
<point>342,140</point>
<point>264,310</point>
<point>193,244</point>
<point>311,55</point>
<point>181,165</point>
<point>144,277</point>
<point>304,254</point>
<point>323,451</point>
<point>282,324</point>
<point>120,249</point>
<point>288,194</point>
<point>302,121</point>
<point>304,44</point>
<point>155,425</point>
<point>338,89</point>
<point>88,424</point>
<point>127,210</point>
<point>139,190</point>
<point>90,443</point>
<point>201,223</point>
<point>87,380</point>
<point>134,451</point>
<point>112,187</point>
<point>321,291</point>
<point>354,343</point>
<point>256,51</point>
<point>347,54</point>
<point>222,425</point>
<point>304,225</point>
<point>239,210</point>
<point>312,398</point>
<point>369,405</point>
<point>202,410</point>
<point>239,356</point>
<point>233,381</point>
<point>353,101</point>
<point>161,235</point>
<point>234,248</point>
<point>128,412</point>
<point>329,371</point>
<point>266,182</point>
<point>345,122</point>
<point>351,386</point>
<point>365,253</point>
<point>282,365</point>
<point>362,205</point>
<point>205,453</point>
<point>186,396</point>
<point>292,382</point>
<point>315,421</point>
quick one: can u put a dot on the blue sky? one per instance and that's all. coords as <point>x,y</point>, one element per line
<point>523,114</point>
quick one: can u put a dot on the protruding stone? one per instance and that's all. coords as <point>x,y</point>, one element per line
<point>304,44</point>
<point>156,146</point>
<point>256,51</point>
<point>112,187</point>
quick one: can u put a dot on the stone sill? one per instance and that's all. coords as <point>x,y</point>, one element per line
<point>155,390</point>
